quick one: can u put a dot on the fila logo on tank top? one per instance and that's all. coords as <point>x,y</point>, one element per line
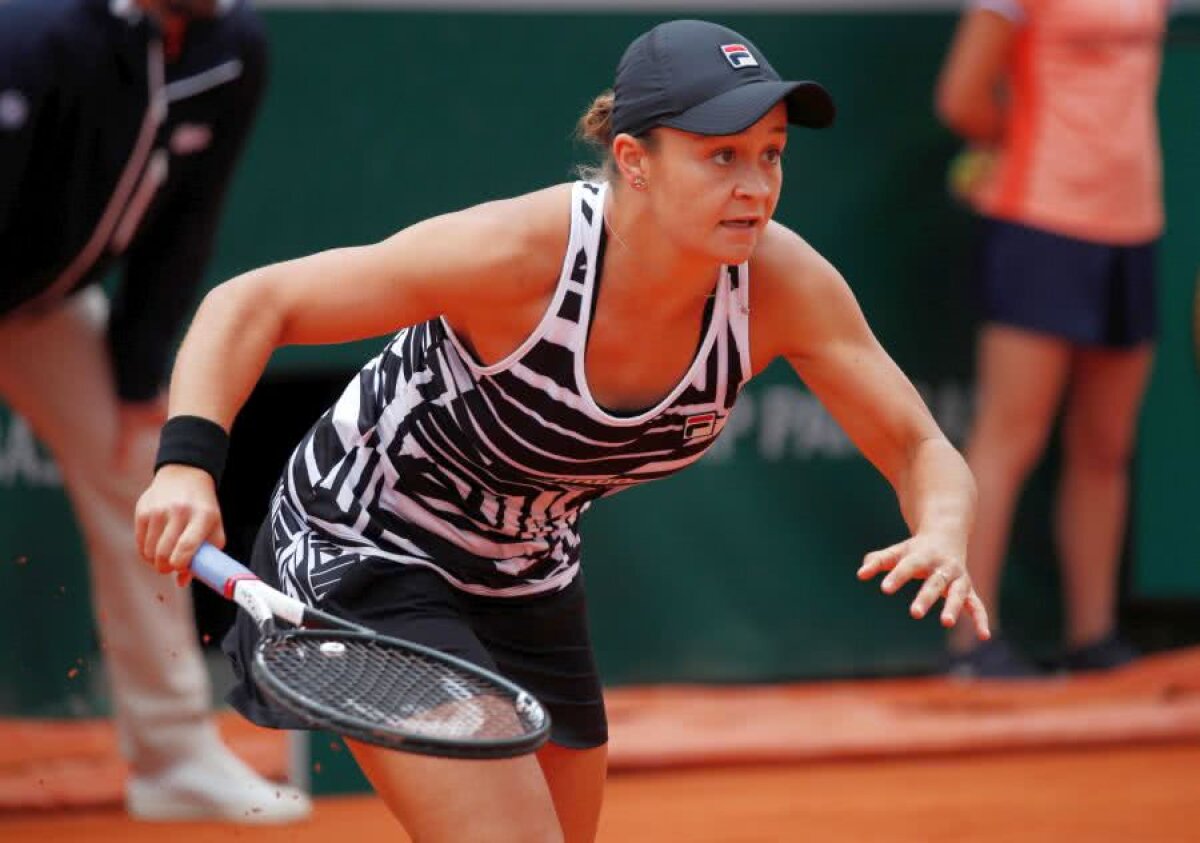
<point>481,472</point>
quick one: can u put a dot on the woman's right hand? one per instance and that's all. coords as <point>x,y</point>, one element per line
<point>175,516</point>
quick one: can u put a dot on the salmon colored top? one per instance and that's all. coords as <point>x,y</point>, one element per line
<point>1080,153</point>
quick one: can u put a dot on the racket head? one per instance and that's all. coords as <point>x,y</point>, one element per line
<point>398,695</point>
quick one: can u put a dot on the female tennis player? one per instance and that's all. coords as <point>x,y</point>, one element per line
<point>563,345</point>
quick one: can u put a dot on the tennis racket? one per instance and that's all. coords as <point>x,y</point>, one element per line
<point>345,678</point>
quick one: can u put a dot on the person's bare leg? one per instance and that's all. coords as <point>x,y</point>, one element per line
<point>440,800</point>
<point>1093,496</point>
<point>576,779</point>
<point>1020,380</point>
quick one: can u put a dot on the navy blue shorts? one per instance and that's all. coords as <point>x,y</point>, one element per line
<point>539,642</point>
<point>1086,292</point>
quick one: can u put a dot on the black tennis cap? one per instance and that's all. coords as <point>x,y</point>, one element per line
<point>704,78</point>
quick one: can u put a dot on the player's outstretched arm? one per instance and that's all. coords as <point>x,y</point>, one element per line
<point>803,310</point>
<point>454,265</point>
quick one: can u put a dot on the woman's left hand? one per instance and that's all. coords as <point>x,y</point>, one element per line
<point>938,560</point>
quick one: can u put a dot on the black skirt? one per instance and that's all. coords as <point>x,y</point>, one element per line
<point>539,642</point>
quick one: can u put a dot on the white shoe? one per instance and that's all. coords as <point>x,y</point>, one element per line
<point>215,785</point>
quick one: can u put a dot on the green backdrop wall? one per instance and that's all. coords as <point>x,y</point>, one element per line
<point>376,119</point>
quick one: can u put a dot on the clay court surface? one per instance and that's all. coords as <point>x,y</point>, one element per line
<point>1120,794</point>
<point>1090,759</point>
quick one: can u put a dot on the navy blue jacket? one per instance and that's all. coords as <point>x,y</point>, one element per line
<point>111,154</point>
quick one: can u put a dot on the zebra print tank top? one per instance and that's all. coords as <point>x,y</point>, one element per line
<point>481,472</point>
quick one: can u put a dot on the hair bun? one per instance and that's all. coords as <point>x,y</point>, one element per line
<point>595,126</point>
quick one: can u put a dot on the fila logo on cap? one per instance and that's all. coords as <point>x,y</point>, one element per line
<point>738,55</point>
<point>699,426</point>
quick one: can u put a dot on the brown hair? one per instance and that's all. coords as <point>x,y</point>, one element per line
<point>595,126</point>
<point>595,129</point>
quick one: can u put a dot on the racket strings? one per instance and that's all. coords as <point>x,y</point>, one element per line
<point>386,687</point>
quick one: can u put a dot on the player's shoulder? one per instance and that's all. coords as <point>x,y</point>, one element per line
<point>525,234</point>
<point>534,209</point>
<point>784,261</point>
<point>798,299</point>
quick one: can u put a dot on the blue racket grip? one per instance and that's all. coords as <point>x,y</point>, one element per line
<point>219,571</point>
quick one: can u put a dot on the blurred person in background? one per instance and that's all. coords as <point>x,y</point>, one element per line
<point>120,125</point>
<point>1056,101</point>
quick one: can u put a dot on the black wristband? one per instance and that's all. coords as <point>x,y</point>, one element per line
<point>194,441</point>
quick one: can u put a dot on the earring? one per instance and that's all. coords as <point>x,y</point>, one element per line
<point>639,183</point>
